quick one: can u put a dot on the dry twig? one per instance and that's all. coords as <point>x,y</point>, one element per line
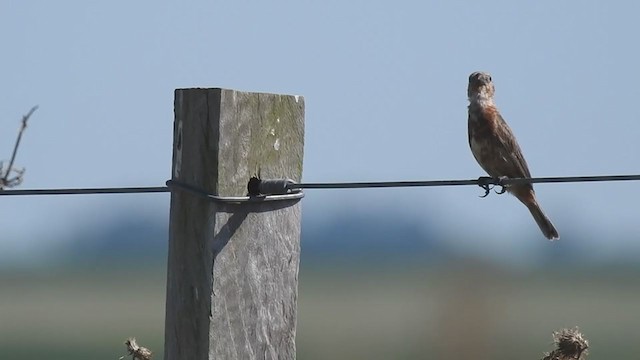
<point>6,181</point>
<point>570,345</point>
<point>136,351</point>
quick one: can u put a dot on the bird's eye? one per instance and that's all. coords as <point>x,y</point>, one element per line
<point>490,78</point>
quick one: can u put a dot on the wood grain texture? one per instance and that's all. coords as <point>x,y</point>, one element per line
<point>233,269</point>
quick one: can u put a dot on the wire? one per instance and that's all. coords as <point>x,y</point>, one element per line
<point>483,181</point>
<point>380,184</point>
<point>86,191</point>
<point>478,182</point>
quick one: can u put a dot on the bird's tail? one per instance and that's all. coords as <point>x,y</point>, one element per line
<point>542,220</point>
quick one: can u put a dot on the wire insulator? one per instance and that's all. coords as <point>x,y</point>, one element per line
<point>257,186</point>
<point>289,196</point>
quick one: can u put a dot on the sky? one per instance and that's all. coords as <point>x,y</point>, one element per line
<point>385,93</point>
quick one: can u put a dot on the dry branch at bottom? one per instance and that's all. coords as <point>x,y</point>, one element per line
<point>570,344</point>
<point>136,351</point>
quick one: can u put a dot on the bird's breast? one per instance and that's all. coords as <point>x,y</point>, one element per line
<point>475,145</point>
<point>482,134</point>
<point>482,125</point>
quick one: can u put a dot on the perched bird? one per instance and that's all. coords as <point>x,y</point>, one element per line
<point>495,147</point>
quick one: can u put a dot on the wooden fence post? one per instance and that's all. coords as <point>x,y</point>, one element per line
<point>233,269</point>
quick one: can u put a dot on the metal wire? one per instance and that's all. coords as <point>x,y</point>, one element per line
<point>339,185</point>
<point>86,191</point>
<point>234,199</point>
<point>478,182</point>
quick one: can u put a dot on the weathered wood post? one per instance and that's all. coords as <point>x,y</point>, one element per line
<point>233,269</point>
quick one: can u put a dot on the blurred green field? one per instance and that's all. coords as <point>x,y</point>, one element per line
<point>392,311</point>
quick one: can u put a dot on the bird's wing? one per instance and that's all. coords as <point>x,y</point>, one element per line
<point>510,150</point>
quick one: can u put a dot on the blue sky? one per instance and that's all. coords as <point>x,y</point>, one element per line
<point>385,90</point>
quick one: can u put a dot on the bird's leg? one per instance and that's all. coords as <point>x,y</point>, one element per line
<point>502,185</point>
<point>486,183</point>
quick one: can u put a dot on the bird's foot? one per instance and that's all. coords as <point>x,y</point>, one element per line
<point>489,183</point>
<point>503,187</point>
<point>486,183</point>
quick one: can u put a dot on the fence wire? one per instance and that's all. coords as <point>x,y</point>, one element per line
<point>482,181</point>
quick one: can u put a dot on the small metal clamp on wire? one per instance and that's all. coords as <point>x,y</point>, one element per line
<point>268,190</point>
<point>272,187</point>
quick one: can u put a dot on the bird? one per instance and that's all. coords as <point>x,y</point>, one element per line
<point>496,149</point>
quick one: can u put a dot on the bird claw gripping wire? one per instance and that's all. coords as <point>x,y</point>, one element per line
<point>503,187</point>
<point>488,183</point>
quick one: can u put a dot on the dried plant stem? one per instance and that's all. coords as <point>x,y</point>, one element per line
<point>570,345</point>
<point>6,181</point>
<point>136,351</point>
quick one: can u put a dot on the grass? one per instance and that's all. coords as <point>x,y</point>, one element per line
<point>470,310</point>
